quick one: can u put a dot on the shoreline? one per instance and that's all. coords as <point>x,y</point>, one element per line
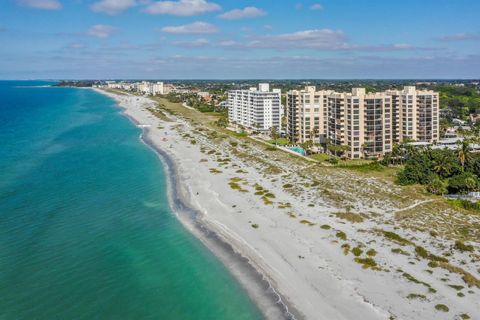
<point>312,235</point>
<point>256,284</point>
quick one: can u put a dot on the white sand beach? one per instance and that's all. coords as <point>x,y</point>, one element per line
<point>319,235</point>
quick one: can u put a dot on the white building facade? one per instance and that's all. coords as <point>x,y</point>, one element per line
<point>149,88</point>
<point>255,109</point>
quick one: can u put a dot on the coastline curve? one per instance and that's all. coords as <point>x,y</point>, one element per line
<point>251,277</point>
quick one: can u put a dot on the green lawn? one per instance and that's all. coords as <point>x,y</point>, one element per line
<point>320,156</point>
<point>280,141</point>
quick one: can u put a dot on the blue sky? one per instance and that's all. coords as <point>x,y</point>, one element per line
<point>203,39</point>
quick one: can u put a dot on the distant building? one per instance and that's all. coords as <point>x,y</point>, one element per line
<point>256,109</point>
<point>168,88</point>
<point>205,95</point>
<point>368,124</point>
<point>156,88</point>
<point>114,85</point>
<point>149,88</point>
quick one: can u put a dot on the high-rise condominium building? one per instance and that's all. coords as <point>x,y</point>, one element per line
<point>307,114</point>
<point>417,114</point>
<point>361,121</point>
<point>368,124</point>
<point>256,109</point>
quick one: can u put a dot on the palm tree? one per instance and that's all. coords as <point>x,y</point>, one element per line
<point>442,166</point>
<point>313,134</point>
<point>363,147</point>
<point>274,134</point>
<point>327,144</point>
<point>307,146</point>
<point>463,152</point>
<point>343,148</point>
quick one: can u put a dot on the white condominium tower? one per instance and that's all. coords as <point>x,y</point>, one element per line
<point>256,109</point>
<point>367,123</point>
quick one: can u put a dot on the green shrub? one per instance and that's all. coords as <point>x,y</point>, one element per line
<point>357,251</point>
<point>456,287</point>
<point>333,160</point>
<point>371,253</point>
<point>346,248</point>
<point>341,235</point>
<point>400,251</point>
<point>437,186</point>
<point>266,200</point>
<point>459,245</point>
<point>421,252</point>
<point>442,307</point>
<point>395,237</point>
<point>366,262</point>
<point>307,222</point>
<point>465,204</point>
<point>416,296</point>
<point>411,278</point>
<point>373,166</point>
<point>325,227</point>
<point>462,183</point>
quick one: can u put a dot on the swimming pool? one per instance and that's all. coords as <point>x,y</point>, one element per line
<point>298,150</point>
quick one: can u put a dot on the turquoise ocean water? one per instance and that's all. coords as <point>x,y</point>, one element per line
<point>85,228</point>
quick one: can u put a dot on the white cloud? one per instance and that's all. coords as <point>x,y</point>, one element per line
<point>193,28</point>
<point>248,12</point>
<point>463,36</point>
<point>112,7</point>
<point>41,4</point>
<point>317,38</point>
<point>182,7</point>
<point>101,31</point>
<point>316,7</point>
<point>201,42</point>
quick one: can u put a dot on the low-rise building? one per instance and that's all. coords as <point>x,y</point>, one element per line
<point>206,96</point>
